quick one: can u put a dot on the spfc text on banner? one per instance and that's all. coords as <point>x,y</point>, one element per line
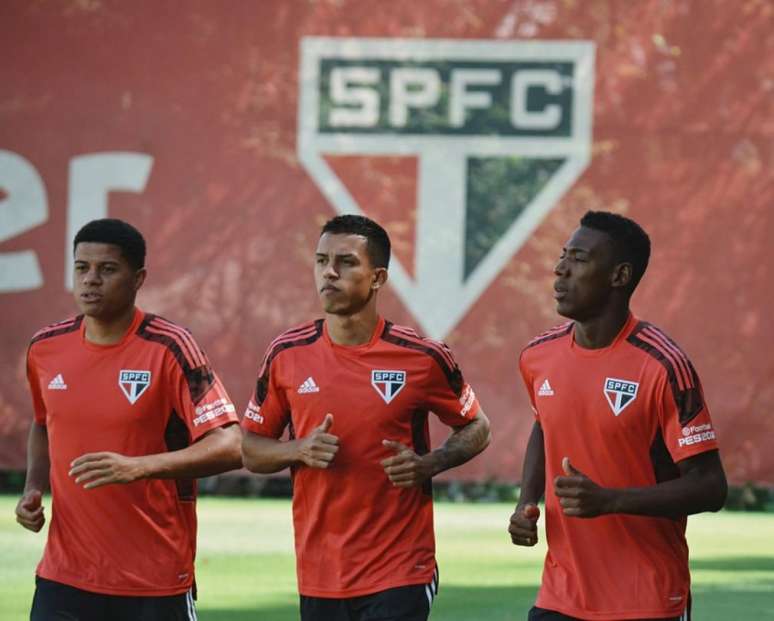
<point>476,115</point>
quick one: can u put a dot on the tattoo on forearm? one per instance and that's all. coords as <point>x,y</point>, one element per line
<point>462,445</point>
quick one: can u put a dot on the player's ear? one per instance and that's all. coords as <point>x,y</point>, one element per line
<point>380,277</point>
<point>139,278</point>
<point>622,275</point>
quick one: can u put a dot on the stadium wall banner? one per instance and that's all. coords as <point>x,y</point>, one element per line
<point>477,132</point>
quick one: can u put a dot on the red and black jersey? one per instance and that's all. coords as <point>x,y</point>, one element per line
<point>152,392</point>
<point>355,532</point>
<point>624,415</point>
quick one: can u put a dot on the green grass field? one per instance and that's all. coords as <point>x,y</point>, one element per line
<point>246,568</point>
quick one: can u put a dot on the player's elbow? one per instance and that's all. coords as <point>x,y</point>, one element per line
<point>230,448</point>
<point>720,492</point>
<point>714,490</point>
<point>484,431</point>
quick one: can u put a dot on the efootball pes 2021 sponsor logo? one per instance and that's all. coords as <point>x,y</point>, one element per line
<point>467,399</point>
<point>500,130</point>
<point>388,383</point>
<point>253,412</point>
<point>133,383</point>
<point>620,394</point>
<point>695,434</point>
<point>211,411</point>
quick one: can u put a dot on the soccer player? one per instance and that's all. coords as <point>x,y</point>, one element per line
<point>355,392</point>
<point>127,413</point>
<point>622,445</point>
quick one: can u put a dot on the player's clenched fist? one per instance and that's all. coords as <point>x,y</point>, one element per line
<point>405,468</point>
<point>320,447</point>
<point>523,526</point>
<point>29,510</point>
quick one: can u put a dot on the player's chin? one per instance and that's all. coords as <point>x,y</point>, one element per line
<point>566,309</point>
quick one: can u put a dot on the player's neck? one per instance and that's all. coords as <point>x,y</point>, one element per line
<point>101,331</point>
<point>356,329</point>
<point>600,331</point>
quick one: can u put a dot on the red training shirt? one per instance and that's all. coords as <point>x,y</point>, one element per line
<point>355,532</point>
<point>152,392</point>
<point>624,415</point>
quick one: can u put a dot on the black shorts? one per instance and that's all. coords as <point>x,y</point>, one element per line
<point>406,603</point>
<point>541,614</point>
<point>54,601</point>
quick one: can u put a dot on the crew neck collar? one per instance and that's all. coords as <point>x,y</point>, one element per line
<point>628,326</point>
<point>378,329</point>
<point>138,315</point>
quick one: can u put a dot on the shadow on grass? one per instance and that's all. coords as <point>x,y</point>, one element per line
<point>458,603</point>
<point>734,563</point>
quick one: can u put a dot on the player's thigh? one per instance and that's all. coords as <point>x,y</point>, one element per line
<point>165,608</point>
<point>324,609</point>
<point>54,601</point>
<point>406,603</point>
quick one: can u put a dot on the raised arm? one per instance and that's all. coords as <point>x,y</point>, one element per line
<point>215,452</point>
<point>700,487</point>
<point>266,455</point>
<point>407,469</point>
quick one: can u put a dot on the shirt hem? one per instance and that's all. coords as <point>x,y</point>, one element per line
<point>612,615</point>
<point>108,590</point>
<point>347,593</point>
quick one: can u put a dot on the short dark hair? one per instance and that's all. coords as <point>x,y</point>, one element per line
<point>117,233</point>
<point>378,242</point>
<point>631,243</point>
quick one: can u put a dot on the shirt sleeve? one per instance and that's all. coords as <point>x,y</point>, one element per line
<point>526,376</point>
<point>684,417</point>
<point>38,405</point>
<point>200,398</point>
<point>268,412</point>
<point>449,396</point>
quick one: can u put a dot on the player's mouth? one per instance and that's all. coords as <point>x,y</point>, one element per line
<point>329,289</point>
<point>559,291</point>
<point>90,296</point>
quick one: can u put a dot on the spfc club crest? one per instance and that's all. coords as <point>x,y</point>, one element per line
<point>498,131</point>
<point>620,393</point>
<point>133,383</point>
<point>388,383</point>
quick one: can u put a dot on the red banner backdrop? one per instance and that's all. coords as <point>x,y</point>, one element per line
<point>184,118</point>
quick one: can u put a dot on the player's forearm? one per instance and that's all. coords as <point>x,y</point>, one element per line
<point>462,445</point>
<point>699,489</point>
<point>216,452</point>
<point>533,472</point>
<point>264,455</point>
<point>38,462</point>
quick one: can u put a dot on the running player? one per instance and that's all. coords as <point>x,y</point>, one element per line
<point>127,414</point>
<point>622,436</point>
<point>355,392</point>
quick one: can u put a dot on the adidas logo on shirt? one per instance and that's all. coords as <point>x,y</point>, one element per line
<point>545,389</point>
<point>308,386</point>
<point>57,383</point>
